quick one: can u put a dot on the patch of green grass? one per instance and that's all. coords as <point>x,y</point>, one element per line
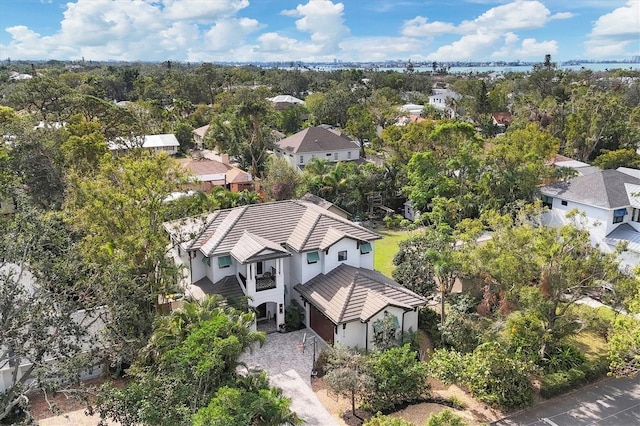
<point>387,247</point>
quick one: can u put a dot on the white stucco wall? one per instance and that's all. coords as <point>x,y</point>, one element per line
<point>198,267</point>
<point>331,255</point>
<point>598,221</point>
<point>352,334</point>
<point>332,156</point>
<point>308,271</point>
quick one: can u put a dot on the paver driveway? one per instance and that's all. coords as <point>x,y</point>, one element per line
<point>289,367</point>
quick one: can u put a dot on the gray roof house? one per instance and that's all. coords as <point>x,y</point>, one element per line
<point>610,202</point>
<point>292,250</point>
<point>317,142</point>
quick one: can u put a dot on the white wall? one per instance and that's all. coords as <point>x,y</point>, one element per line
<point>353,335</point>
<point>353,255</point>
<point>599,221</point>
<point>342,155</point>
<point>198,267</point>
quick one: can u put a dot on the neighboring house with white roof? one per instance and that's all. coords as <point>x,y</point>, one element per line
<point>294,250</point>
<point>610,202</point>
<point>281,102</point>
<point>316,142</point>
<point>156,143</point>
<point>560,161</point>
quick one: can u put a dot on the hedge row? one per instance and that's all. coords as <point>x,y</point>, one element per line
<point>555,384</point>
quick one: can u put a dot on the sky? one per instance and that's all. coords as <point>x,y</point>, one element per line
<point>319,30</point>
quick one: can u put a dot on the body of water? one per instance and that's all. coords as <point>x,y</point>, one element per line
<point>503,69</point>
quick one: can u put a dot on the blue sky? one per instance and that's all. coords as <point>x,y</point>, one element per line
<point>319,30</point>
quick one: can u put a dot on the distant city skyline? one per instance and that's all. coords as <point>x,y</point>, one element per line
<point>319,30</point>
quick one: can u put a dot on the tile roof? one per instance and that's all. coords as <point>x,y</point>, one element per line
<point>250,247</point>
<point>353,294</point>
<point>206,170</point>
<point>315,139</point>
<point>604,189</point>
<point>228,287</point>
<point>300,226</point>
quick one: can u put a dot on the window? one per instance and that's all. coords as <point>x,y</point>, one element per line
<point>313,257</point>
<point>564,202</point>
<point>349,155</point>
<point>206,261</point>
<point>619,214</point>
<point>335,156</point>
<point>636,215</point>
<point>224,262</point>
<point>302,159</point>
<point>365,248</point>
<point>547,201</point>
<point>342,256</point>
<point>259,268</point>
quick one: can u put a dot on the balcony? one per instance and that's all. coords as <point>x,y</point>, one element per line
<point>265,282</point>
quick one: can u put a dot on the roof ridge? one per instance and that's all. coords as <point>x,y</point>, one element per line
<point>311,228</point>
<point>205,227</point>
<point>241,211</point>
<point>352,287</point>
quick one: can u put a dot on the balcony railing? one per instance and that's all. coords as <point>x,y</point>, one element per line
<point>265,283</point>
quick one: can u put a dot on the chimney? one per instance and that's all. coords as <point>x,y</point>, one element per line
<point>224,158</point>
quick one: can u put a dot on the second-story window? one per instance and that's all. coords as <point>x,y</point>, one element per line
<point>342,256</point>
<point>302,159</point>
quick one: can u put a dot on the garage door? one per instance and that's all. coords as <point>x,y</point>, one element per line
<point>321,325</point>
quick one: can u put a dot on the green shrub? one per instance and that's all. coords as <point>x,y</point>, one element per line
<point>563,358</point>
<point>429,321</point>
<point>294,316</point>
<point>490,372</point>
<point>380,420</point>
<point>398,376</point>
<point>594,369</point>
<point>445,418</point>
<point>393,221</point>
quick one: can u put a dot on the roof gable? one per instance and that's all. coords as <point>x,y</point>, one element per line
<point>316,139</point>
<point>350,294</point>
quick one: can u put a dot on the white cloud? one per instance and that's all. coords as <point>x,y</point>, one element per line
<point>468,47</point>
<point>368,48</point>
<point>202,11</point>
<point>491,34</point>
<point>323,19</point>
<point>562,15</point>
<point>616,33</point>
<point>529,48</point>
<point>419,27</point>
<point>225,34</point>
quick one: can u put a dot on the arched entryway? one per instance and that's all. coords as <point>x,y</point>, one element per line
<point>266,317</point>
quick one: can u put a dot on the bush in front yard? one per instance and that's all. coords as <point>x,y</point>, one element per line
<point>398,376</point>
<point>490,373</point>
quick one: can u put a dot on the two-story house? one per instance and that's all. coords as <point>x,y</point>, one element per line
<point>280,251</point>
<point>316,142</point>
<point>610,203</point>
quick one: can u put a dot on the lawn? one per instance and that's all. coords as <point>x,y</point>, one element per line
<point>386,248</point>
